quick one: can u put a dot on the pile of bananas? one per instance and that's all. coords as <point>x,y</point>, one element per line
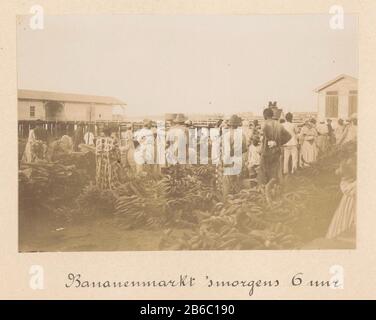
<point>142,204</point>
<point>252,219</point>
<point>95,201</point>
<point>205,173</point>
<point>44,186</point>
<point>239,224</point>
<point>168,201</point>
<point>226,233</point>
<point>187,189</point>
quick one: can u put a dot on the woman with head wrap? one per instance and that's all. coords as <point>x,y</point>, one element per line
<point>308,136</point>
<point>338,132</point>
<point>350,131</point>
<point>322,137</point>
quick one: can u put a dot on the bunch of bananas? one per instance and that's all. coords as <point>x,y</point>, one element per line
<point>142,204</point>
<point>95,201</point>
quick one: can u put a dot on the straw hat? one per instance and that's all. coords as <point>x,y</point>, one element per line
<point>235,120</point>
<point>180,118</point>
<point>146,123</point>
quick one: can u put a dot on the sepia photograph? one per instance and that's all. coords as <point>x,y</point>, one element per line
<point>187,132</point>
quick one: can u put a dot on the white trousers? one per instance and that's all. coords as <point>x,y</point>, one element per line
<point>290,151</point>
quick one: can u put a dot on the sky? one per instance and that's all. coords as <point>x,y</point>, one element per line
<point>192,64</point>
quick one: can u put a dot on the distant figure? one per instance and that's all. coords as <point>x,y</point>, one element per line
<point>231,183</point>
<point>322,138</point>
<point>60,147</point>
<point>224,124</point>
<point>215,143</point>
<point>338,132</point>
<point>308,135</point>
<point>115,135</point>
<point>28,155</point>
<point>350,131</point>
<point>144,153</point>
<point>89,137</point>
<point>127,148</point>
<point>108,161</point>
<point>78,137</point>
<point>291,147</point>
<point>254,157</point>
<point>40,132</point>
<point>160,146</point>
<point>127,138</point>
<point>177,141</point>
<point>36,146</point>
<point>247,131</point>
<point>332,138</point>
<point>274,136</point>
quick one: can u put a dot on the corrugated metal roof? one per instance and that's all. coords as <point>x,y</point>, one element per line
<point>66,97</point>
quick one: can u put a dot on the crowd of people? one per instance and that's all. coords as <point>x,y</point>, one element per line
<point>41,145</point>
<point>268,151</point>
<point>281,147</point>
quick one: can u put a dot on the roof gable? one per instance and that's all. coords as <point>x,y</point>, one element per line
<point>335,80</point>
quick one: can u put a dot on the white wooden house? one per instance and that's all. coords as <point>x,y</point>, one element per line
<point>337,98</point>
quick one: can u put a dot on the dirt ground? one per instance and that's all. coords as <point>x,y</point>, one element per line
<point>110,234</point>
<point>98,234</point>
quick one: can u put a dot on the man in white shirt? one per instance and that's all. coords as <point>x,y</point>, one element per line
<point>89,137</point>
<point>144,153</point>
<point>291,147</point>
<point>176,141</point>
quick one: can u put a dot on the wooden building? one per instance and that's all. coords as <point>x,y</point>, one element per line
<point>61,112</point>
<point>337,98</point>
<point>56,106</point>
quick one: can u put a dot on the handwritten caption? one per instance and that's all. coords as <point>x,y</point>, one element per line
<point>299,279</point>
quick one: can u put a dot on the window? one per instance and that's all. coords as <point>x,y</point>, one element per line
<point>353,102</point>
<point>331,104</point>
<point>32,111</point>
